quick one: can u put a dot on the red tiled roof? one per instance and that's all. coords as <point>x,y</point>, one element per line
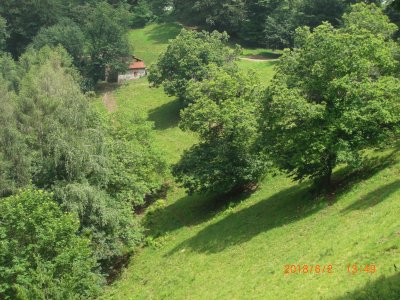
<point>137,65</point>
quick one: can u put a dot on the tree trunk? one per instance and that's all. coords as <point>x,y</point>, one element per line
<point>326,181</point>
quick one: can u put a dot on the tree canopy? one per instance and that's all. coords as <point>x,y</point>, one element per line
<point>66,33</point>
<point>188,58</point>
<point>93,32</point>
<point>106,28</point>
<point>270,23</point>
<point>338,90</point>
<point>52,138</point>
<point>41,255</point>
<point>224,111</point>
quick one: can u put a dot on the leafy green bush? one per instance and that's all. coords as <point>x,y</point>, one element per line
<point>41,256</point>
<point>137,169</point>
<point>109,223</point>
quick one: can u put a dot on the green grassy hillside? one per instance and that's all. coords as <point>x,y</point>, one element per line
<point>211,248</point>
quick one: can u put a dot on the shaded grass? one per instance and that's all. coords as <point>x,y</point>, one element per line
<point>188,210</point>
<point>262,53</point>
<point>166,115</point>
<point>375,197</point>
<point>285,206</point>
<point>386,287</point>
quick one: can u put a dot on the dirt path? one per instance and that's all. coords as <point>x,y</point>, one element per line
<point>110,102</point>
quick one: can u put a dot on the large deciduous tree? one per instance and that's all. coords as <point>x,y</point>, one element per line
<point>188,58</point>
<point>26,17</point>
<point>106,29</point>
<point>224,112</point>
<point>335,95</point>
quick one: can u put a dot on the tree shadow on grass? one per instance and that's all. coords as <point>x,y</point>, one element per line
<point>346,178</point>
<point>375,197</point>
<point>264,55</point>
<point>385,288</point>
<point>283,208</point>
<point>188,211</point>
<point>166,116</point>
<point>162,33</point>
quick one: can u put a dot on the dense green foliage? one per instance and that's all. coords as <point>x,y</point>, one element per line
<point>142,14</point>
<point>52,138</point>
<point>219,15</point>
<point>270,23</point>
<point>93,32</point>
<point>41,255</point>
<point>67,34</point>
<point>338,91</point>
<point>106,28</point>
<point>188,57</point>
<point>14,163</point>
<point>3,34</point>
<point>58,125</point>
<point>26,17</point>
<point>107,221</point>
<point>224,111</point>
<point>67,153</point>
<point>137,169</point>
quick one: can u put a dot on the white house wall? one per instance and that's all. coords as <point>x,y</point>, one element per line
<point>131,75</point>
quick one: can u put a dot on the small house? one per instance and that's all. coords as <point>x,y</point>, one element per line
<point>136,70</point>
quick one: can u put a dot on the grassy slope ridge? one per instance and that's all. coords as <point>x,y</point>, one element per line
<point>204,248</point>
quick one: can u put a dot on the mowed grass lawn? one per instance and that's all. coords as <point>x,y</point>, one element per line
<point>147,43</point>
<point>162,110</point>
<point>205,247</point>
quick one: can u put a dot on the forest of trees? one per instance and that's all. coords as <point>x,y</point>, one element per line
<point>79,170</point>
<point>72,178</point>
<point>268,23</point>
